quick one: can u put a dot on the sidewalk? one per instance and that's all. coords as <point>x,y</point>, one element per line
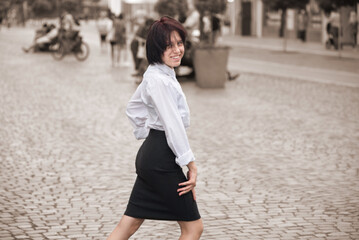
<point>277,158</point>
<point>302,61</point>
<point>291,46</point>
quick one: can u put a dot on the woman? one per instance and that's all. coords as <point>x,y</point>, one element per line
<point>118,39</point>
<point>353,25</point>
<point>159,113</point>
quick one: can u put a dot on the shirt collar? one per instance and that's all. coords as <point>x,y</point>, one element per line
<point>166,69</point>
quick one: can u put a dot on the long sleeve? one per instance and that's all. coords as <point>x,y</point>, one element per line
<point>163,96</point>
<point>137,113</point>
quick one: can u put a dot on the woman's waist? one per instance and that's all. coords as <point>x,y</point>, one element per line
<point>157,132</point>
<point>154,124</point>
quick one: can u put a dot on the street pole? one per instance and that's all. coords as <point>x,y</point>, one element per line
<point>339,35</point>
<point>285,31</point>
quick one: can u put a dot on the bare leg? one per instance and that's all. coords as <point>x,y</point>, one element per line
<point>126,228</point>
<point>29,48</point>
<point>118,50</point>
<point>113,54</point>
<point>191,230</point>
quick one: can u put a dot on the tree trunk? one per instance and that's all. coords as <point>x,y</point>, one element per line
<point>201,26</point>
<point>282,22</point>
<point>22,13</point>
<point>284,16</point>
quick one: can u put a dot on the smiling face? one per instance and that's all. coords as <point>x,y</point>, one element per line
<point>174,52</point>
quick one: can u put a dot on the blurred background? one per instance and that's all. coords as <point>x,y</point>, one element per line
<point>259,18</point>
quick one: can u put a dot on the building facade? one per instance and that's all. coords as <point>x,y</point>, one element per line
<point>254,18</point>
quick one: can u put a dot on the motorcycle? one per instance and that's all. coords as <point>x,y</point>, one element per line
<point>70,42</point>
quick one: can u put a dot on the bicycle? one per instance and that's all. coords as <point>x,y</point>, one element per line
<point>70,42</point>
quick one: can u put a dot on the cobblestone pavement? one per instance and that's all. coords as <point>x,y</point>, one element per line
<point>278,157</point>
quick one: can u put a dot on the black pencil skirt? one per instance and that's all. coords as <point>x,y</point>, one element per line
<point>154,195</point>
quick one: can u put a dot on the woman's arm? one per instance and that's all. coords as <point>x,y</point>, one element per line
<point>137,114</point>
<point>164,98</point>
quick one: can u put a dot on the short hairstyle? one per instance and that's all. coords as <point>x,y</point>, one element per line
<point>159,37</point>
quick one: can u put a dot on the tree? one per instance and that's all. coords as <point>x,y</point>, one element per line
<point>5,6</point>
<point>283,5</point>
<point>332,5</point>
<point>72,6</point>
<point>212,7</point>
<point>172,8</point>
<point>42,8</point>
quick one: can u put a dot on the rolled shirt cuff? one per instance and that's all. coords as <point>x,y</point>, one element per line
<point>141,133</point>
<point>185,158</point>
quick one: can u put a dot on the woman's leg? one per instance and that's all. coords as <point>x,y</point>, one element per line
<point>113,54</point>
<point>191,230</point>
<point>118,50</point>
<point>126,228</point>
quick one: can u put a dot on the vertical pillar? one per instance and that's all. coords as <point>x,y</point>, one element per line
<point>357,24</point>
<point>259,18</point>
<point>232,16</point>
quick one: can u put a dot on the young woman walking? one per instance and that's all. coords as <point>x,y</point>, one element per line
<point>159,114</point>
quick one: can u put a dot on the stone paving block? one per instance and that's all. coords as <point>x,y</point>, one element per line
<point>284,157</point>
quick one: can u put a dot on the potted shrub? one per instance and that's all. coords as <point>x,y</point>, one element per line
<point>210,60</point>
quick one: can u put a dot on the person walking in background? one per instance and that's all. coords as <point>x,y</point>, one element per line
<point>302,25</point>
<point>118,39</point>
<point>353,24</point>
<point>138,47</point>
<point>1,18</point>
<point>216,28</point>
<point>334,21</point>
<point>192,24</point>
<point>103,26</point>
<point>159,113</point>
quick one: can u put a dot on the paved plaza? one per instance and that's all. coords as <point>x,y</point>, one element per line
<point>278,157</point>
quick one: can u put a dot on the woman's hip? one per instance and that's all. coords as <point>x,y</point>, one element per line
<point>155,154</point>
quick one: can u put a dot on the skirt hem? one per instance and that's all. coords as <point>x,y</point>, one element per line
<point>161,219</point>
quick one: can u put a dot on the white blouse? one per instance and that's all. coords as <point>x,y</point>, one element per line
<point>159,103</point>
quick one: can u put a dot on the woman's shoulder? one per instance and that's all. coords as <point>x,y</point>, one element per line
<point>154,77</point>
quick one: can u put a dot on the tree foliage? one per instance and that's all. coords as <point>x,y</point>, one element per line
<point>285,4</point>
<point>72,6</point>
<point>212,6</point>
<point>5,5</point>
<point>41,8</point>
<point>172,8</point>
<point>332,5</point>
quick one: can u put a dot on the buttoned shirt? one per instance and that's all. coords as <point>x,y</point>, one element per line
<point>159,103</point>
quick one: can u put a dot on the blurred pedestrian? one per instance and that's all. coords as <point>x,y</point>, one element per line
<point>69,25</point>
<point>43,42</point>
<point>207,27</point>
<point>103,26</point>
<point>334,21</point>
<point>118,39</point>
<point>138,48</point>
<point>330,41</point>
<point>159,113</point>
<point>192,24</point>
<point>1,18</point>
<point>216,27</point>
<point>353,25</point>
<point>302,25</point>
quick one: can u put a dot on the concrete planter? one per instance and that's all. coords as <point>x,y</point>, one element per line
<point>210,65</point>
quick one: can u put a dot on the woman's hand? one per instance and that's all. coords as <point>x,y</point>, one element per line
<point>191,183</point>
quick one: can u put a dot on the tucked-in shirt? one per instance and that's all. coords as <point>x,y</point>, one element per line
<point>159,103</point>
